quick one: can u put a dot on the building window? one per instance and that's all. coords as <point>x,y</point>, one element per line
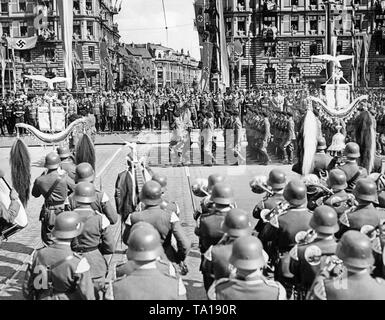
<point>91,53</point>
<point>89,6</point>
<point>50,54</point>
<point>229,26</point>
<point>25,55</point>
<point>6,29</point>
<point>22,6</point>
<point>316,48</point>
<point>241,27</point>
<point>294,2</point>
<point>90,30</point>
<point>313,23</point>
<point>77,30</point>
<point>23,29</point>
<point>4,6</point>
<point>241,5</point>
<point>294,23</point>
<point>76,7</point>
<point>270,49</point>
<point>270,75</point>
<point>339,47</point>
<point>294,49</point>
<point>313,2</point>
<point>294,75</point>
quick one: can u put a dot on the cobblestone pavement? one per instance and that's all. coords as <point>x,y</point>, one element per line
<point>110,161</point>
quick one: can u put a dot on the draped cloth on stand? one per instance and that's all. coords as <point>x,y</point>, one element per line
<point>65,9</point>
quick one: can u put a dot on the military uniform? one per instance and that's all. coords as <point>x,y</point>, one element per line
<point>353,173</point>
<point>139,113</point>
<point>69,166</point>
<point>168,224</point>
<point>10,116</point>
<point>95,241</point>
<point>321,162</point>
<point>66,273</point>
<point>102,205</point>
<point>269,202</point>
<point>258,288</point>
<point>2,116</point>
<point>335,201</point>
<point>54,204</point>
<point>110,113</point>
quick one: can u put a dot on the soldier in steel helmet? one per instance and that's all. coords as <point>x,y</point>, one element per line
<point>284,226</point>
<point>216,259</point>
<point>277,183</point>
<point>85,173</point>
<point>308,257</point>
<point>166,222</point>
<point>364,214</point>
<point>56,272</point>
<point>321,159</point>
<point>208,227</point>
<point>54,186</point>
<point>171,206</point>
<point>351,168</point>
<point>145,248</point>
<point>96,239</point>
<point>248,259</point>
<point>347,276</point>
<point>67,162</point>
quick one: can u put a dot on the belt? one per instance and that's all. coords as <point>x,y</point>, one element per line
<point>54,206</point>
<point>85,250</point>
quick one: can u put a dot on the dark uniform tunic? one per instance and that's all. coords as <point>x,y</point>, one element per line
<point>269,203</point>
<point>353,173</point>
<point>321,163</point>
<point>69,166</point>
<point>69,275</point>
<point>258,288</point>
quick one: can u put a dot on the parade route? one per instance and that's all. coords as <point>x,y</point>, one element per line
<point>110,161</point>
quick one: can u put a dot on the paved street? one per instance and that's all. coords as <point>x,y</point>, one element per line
<point>110,161</point>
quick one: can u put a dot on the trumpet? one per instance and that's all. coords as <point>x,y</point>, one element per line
<point>259,185</point>
<point>278,210</point>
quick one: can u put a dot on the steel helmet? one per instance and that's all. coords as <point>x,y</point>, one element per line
<point>237,223</point>
<point>337,180</point>
<point>366,190</point>
<point>352,150</point>
<point>277,179</point>
<point>321,143</point>
<point>52,160</point>
<point>222,193</point>
<point>64,152</point>
<point>161,179</point>
<point>248,253</point>
<point>68,225</point>
<point>144,244</point>
<point>151,193</point>
<point>324,220</point>
<point>355,250</point>
<point>295,193</point>
<point>85,193</point>
<point>84,173</point>
<point>214,179</point>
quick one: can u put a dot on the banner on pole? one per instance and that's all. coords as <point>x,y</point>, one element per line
<point>206,64</point>
<point>225,70</point>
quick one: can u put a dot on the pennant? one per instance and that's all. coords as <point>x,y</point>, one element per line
<point>367,41</point>
<point>274,221</point>
<point>294,253</point>
<point>344,219</point>
<point>206,64</point>
<point>224,56</point>
<point>22,43</point>
<point>3,66</point>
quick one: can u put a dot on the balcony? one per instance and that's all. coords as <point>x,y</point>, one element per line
<point>313,32</point>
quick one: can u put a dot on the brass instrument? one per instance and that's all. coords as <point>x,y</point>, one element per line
<point>259,185</point>
<point>278,210</point>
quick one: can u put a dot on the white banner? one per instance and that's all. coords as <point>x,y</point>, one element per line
<point>58,119</point>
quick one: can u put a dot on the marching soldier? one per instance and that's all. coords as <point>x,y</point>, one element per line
<point>281,234</point>
<point>218,110</point>
<point>61,273</point>
<point>55,187</point>
<point>364,214</point>
<point>265,139</point>
<point>166,205</point>
<point>287,144</point>
<point>67,162</point>
<point>351,168</point>
<point>216,263</point>
<point>249,259</point>
<point>321,160</point>
<point>10,116</point>
<point>308,257</point>
<point>350,280</point>
<point>102,204</point>
<point>208,227</point>
<point>277,182</point>
<point>145,248</point>
<point>96,238</point>
<point>167,223</point>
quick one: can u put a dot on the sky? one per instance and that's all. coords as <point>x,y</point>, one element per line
<point>142,21</point>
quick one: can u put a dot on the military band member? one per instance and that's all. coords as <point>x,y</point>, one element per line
<point>67,161</point>
<point>56,272</point>
<point>277,182</point>
<point>308,257</point>
<point>54,186</point>
<point>348,277</point>
<point>288,143</point>
<point>85,173</point>
<point>264,139</point>
<point>146,281</point>
<point>321,160</point>
<point>248,259</point>
<point>171,206</point>
<point>96,238</point>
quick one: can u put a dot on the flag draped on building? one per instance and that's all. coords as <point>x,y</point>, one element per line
<point>367,40</point>
<point>78,59</point>
<point>225,70</point>
<point>3,66</point>
<point>106,62</point>
<point>21,43</point>
<point>206,64</point>
<point>65,9</point>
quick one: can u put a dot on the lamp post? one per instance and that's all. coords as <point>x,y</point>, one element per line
<point>328,34</point>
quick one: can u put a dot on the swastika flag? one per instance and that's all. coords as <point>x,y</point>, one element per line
<point>22,43</point>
